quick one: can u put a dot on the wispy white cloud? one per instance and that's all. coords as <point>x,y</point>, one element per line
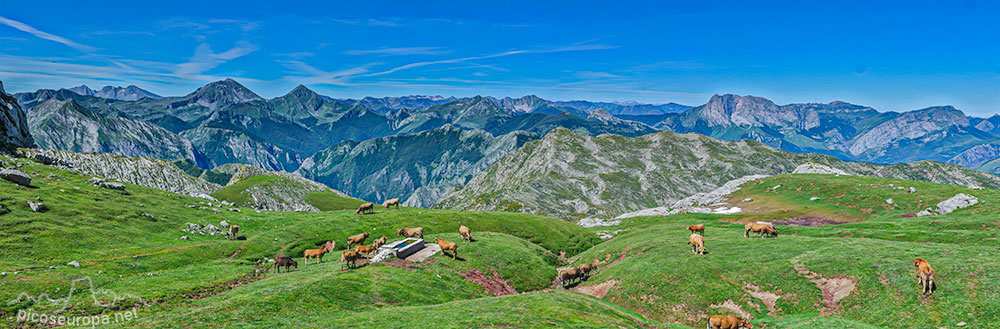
<point>45,35</point>
<point>595,75</point>
<point>400,51</point>
<point>501,54</point>
<point>204,59</point>
<point>306,74</point>
<point>378,22</point>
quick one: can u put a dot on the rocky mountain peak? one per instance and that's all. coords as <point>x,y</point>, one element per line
<point>128,93</point>
<point>13,123</point>
<point>221,93</point>
<point>753,111</point>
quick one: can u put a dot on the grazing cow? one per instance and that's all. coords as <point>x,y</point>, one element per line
<point>367,208</point>
<point>391,202</point>
<point>366,251</point>
<point>233,231</point>
<point>450,246</point>
<point>727,322</point>
<point>760,228</point>
<point>925,276</point>
<point>282,260</point>
<point>350,258</point>
<point>318,253</point>
<point>567,276</point>
<point>410,232</point>
<point>380,242</point>
<point>586,268</point>
<point>356,239</point>
<point>700,228</point>
<point>465,232</point>
<point>697,243</point>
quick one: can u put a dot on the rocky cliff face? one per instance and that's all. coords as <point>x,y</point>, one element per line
<point>910,125</point>
<point>13,123</point>
<point>573,175</point>
<point>419,169</point>
<point>66,125</point>
<point>752,111</point>
<point>225,145</point>
<point>130,93</point>
<point>154,173</point>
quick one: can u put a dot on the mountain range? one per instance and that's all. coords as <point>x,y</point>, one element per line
<point>130,93</point>
<point>332,140</point>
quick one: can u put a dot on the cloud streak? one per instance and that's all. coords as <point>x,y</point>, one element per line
<point>400,51</point>
<point>45,35</point>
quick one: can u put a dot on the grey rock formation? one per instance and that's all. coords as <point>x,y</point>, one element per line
<point>956,202</point>
<point>16,176</point>
<point>13,123</point>
<point>154,173</point>
<point>36,206</point>
<point>130,93</point>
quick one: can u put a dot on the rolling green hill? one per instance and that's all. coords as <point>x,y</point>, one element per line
<point>857,274</point>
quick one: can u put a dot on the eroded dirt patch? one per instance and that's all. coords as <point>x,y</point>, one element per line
<point>807,221</point>
<point>732,306</point>
<point>833,289</point>
<point>598,290</point>
<point>769,299</point>
<point>494,283</point>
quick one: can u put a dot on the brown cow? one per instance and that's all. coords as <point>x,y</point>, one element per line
<point>760,228</point>
<point>391,202</point>
<point>697,243</point>
<point>727,322</point>
<point>450,246</point>
<point>366,209</point>
<point>282,260</point>
<point>366,251</point>
<point>700,228</point>
<point>234,230</point>
<point>567,276</point>
<point>380,242</point>
<point>925,276</point>
<point>318,253</point>
<point>410,232</point>
<point>350,258</point>
<point>356,239</point>
<point>465,232</point>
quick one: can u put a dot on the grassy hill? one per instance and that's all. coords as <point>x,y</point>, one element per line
<point>658,277</point>
<point>857,274</point>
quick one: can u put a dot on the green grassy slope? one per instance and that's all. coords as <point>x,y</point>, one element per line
<point>659,278</point>
<point>125,251</point>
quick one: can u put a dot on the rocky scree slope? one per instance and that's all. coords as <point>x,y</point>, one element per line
<point>573,175</point>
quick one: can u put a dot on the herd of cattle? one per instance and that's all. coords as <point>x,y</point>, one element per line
<point>566,277</point>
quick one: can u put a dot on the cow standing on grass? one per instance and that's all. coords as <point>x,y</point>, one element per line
<point>925,276</point>
<point>367,208</point>
<point>727,322</point>
<point>391,202</point>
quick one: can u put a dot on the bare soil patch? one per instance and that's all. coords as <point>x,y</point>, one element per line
<point>833,289</point>
<point>769,299</point>
<point>494,283</point>
<point>807,221</point>
<point>732,306</point>
<point>598,290</point>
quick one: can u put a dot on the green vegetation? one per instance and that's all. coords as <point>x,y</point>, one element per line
<point>129,242</point>
<point>329,201</point>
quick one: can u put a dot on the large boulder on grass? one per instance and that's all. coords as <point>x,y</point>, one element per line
<point>16,176</point>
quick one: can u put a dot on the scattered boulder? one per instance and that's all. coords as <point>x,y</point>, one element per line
<point>235,210</point>
<point>37,206</point>
<point>889,201</point>
<point>925,212</point>
<point>184,237</point>
<point>101,182</point>
<point>15,176</point>
<point>815,168</point>
<point>814,198</point>
<point>224,224</point>
<point>911,190</point>
<point>956,202</point>
<point>52,267</point>
<point>748,200</point>
<point>43,159</point>
<point>209,230</point>
<point>74,264</point>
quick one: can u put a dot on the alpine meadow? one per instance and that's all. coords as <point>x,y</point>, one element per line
<point>638,164</point>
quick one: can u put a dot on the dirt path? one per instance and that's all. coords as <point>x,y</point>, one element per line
<point>598,290</point>
<point>833,289</point>
<point>494,283</point>
<point>769,299</point>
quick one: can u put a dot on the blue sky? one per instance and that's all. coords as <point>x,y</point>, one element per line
<point>894,56</point>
